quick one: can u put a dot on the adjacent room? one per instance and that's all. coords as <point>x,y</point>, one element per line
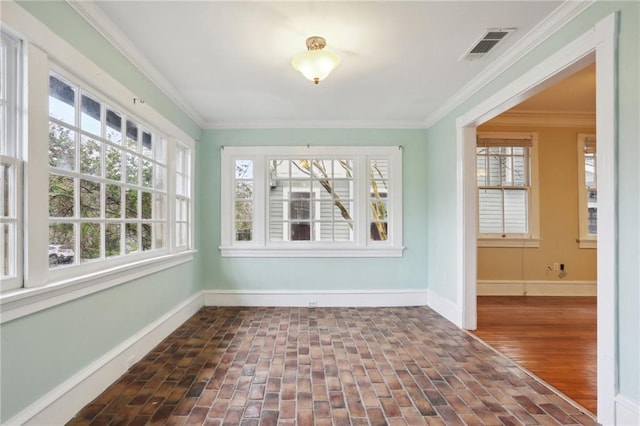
<point>306,212</point>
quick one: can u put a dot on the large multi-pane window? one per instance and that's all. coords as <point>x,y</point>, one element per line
<point>505,176</point>
<point>280,201</point>
<point>587,191</point>
<point>10,165</point>
<point>107,179</point>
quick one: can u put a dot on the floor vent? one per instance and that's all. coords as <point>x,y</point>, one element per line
<point>487,43</point>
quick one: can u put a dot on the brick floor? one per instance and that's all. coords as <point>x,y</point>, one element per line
<point>325,366</point>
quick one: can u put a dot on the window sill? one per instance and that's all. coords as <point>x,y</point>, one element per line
<point>310,252</point>
<point>588,243</point>
<point>25,301</point>
<point>509,242</point>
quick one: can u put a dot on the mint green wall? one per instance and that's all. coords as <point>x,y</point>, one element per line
<point>64,21</point>
<point>441,159</point>
<point>315,274</point>
<point>42,350</point>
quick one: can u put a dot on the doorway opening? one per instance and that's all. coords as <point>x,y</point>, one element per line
<point>537,295</point>
<point>599,45</point>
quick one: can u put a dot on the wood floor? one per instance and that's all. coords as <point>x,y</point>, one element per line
<point>552,337</point>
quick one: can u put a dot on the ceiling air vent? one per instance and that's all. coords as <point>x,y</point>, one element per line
<point>486,43</point>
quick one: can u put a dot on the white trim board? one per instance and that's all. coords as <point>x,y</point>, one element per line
<point>536,288</point>
<point>627,412</point>
<point>316,298</point>
<point>60,404</point>
<point>444,307</point>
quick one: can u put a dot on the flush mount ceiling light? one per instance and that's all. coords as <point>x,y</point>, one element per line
<point>315,63</point>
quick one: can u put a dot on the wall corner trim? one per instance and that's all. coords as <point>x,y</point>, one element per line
<point>444,307</point>
<point>60,404</point>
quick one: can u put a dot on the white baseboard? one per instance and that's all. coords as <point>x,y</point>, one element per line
<point>319,298</point>
<point>62,403</point>
<point>444,307</point>
<point>536,288</point>
<point>627,412</point>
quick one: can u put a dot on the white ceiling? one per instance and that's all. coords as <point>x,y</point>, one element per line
<point>228,64</point>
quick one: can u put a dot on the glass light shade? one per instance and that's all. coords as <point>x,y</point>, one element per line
<point>315,64</point>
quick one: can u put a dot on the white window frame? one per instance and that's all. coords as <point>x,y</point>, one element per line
<point>585,239</point>
<point>43,288</point>
<point>531,238</point>
<point>362,244</point>
<point>185,171</point>
<point>11,157</point>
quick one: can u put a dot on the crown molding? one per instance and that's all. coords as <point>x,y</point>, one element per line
<point>547,118</point>
<point>552,23</point>
<point>326,124</point>
<point>88,10</point>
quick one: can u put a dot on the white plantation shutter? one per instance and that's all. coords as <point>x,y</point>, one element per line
<point>503,179</point>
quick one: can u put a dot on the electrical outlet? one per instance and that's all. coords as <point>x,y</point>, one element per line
<point>556,266</point>
<point>313,304</point>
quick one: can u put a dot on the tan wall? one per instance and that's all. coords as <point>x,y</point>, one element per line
<point>558,178</point>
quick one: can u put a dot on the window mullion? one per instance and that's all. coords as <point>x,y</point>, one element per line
<point>260,200</point>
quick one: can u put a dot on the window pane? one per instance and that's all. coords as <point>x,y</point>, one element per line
<point>132,168</point>
<point>244,211</point>
<point>89,241</point>
<point>113,163</point>
<point>160,150</point>
<point>131,238</point>
<point>62,147</point>
<point>112,239</point>
<point>244,190</point>
<point>160,174</point>
<point>131,203</point>
<point>343,231</point>
<point>343,169</point>
<point>90,118</point>
<point>244,169</point>
<point>90,156</point>
<point>62,100</point>
<point>243,231</point>
<point>490,211</point>
<point>494,170</point>
<point>89,198</point>
<point>481,169</point>
<point>61,244</point>
<point>147,173</point>
<point>379,231</point>
<point>300,168</point>
<point>6,191</point>
<point>113,201</point>
<point>61,196</point>
<point>159,235</point>
<point>132,135</point>
<point>520,176</point>
<point>590,170</point>
<point>146,205</point>
<point>7,237</point>
<point>147,144</point>
<point>160,207</point>
<point>515,211</point>
<point>592,219</point>
<point>147,237</point>
<point>114,127</point>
